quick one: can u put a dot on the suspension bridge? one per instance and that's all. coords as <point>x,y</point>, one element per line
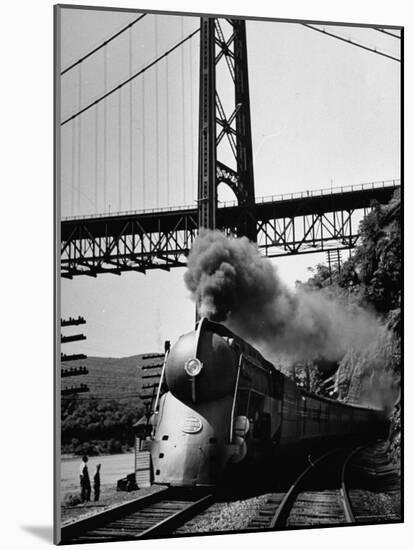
<point>157,117</point>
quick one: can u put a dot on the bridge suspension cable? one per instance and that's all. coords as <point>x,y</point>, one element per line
<point>192,125</point>
<point>96,155</point>
<point>157,135</point>
<point>105,43</point>
<point>128,80</point>
<point>105,124</point>
<point>352,42</point>
<point>167,131</point>
<point>73,164</point>
<point>143,155</point>
<point>183,113</point>
<point>79,136</point>
<point>131,116</point>
<point>119,149</point>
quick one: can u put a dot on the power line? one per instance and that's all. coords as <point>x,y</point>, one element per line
<point>102,45</point>
<point>389,33</point>
<point>119,86</point>
<point>349,41</point>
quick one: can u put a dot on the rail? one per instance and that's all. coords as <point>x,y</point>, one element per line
<point>168,525</point>
<point>75,528</point>
<point>375,472</point>
<point>284,509</point>
<point>346,502</point>
<point>138,519</point>
<point>259,200</point>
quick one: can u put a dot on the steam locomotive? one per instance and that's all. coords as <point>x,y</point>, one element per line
<point>226,405</point>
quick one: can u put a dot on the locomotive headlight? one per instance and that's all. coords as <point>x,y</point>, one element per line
<point>193,366</point>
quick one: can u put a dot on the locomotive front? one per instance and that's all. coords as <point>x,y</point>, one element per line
<point>193,428</point>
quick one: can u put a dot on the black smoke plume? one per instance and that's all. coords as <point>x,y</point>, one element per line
<point>232,283</point>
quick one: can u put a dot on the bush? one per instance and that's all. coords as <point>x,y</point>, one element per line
<point>91,426</point>
<point>115,447</point>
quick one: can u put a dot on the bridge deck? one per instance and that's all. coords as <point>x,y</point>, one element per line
<point>290,205</point>
<point>296,224</point>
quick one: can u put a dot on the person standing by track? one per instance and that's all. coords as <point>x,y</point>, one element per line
<point>85,482</point>
<point>97,483</point>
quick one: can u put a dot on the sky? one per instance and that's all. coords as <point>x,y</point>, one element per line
<point>324,113</point>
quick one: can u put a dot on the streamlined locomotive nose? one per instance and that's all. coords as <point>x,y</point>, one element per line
<point>190,443</point>
<point>193,423</point>
<point>201,367</point>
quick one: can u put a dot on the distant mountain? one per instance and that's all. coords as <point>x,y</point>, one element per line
<point>110,377</point>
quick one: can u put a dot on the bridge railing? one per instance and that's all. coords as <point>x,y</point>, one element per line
<point>321,192</point>
<point>114,213</point>
<point>267,198</point>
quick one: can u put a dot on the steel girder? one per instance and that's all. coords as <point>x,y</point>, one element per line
<point>224,42</point>
<point>132,249</point>
<point>207,154</point>
<point>309,233</point>
<point>130,243</point>
<point>162,240</point>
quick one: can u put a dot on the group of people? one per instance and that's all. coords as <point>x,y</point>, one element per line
<point>85,481</point>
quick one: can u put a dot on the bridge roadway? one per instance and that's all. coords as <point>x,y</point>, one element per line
<point>296,223</point>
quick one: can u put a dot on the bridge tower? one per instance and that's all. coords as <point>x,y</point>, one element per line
<point>215,125</point>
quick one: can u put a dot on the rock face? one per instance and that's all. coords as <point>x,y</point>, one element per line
<point>358,381</point>
<point>367,376</point>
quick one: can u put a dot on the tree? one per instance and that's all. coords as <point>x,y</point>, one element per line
<point>371,277</point>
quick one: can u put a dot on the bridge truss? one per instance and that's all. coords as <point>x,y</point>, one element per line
<point>161,239</point>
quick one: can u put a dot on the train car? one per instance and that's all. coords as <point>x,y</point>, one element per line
<point>225,404</point>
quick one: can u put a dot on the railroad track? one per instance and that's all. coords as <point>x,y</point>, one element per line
<point>317,497</point>
<point>332,490</point>
<point>335,489</point>
<point>151,516</point>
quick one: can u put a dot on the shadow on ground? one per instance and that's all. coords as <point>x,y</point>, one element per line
<point>43,532</point>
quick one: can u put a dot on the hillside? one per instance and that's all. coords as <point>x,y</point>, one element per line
<point>111,377</point>
<point>101,421</point>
